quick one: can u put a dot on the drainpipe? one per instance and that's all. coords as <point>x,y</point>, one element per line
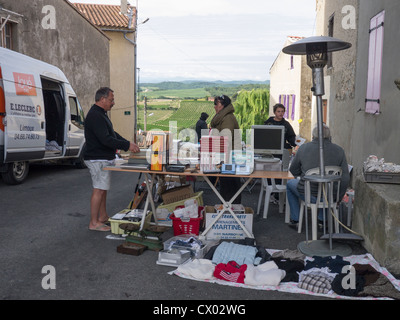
<point>130,15</point>
<point>133,42</point>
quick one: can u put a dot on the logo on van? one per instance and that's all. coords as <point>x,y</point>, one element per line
<point>24,84</point>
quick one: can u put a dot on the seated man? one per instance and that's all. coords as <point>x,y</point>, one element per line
<point>307,157</point>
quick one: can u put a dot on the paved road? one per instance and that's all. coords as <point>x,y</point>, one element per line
<point>44,222</point>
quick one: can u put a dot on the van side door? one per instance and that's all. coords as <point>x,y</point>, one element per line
<point>24,136</point>
<point>75,135</point>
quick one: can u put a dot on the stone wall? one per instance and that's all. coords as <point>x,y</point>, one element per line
<point>377,218</point>
<point>54,32</point>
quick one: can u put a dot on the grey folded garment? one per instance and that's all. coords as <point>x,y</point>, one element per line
<point>382,287</point>
<point>289,254</point>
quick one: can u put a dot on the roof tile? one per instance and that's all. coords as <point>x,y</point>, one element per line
<point>106,16</point>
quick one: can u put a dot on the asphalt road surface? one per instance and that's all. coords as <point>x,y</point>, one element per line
<point>44,232</point>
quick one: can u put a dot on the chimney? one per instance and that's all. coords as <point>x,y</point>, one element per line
<point>124,6</point>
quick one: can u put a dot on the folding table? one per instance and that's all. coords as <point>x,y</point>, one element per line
<point>227,205</point>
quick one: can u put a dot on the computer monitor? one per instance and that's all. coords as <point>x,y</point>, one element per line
<point>267,140</point>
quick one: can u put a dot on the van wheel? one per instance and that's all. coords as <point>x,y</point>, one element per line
<point>16,173</point>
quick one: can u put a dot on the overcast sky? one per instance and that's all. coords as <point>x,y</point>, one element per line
<point>215,39</point>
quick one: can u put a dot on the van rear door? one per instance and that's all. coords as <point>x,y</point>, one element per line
<point>24,136</point>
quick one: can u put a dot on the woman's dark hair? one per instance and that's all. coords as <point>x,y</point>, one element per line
<point>225,100</point>
<point>279,105</point>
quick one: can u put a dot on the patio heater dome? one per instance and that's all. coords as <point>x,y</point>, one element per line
<point>316,49</point>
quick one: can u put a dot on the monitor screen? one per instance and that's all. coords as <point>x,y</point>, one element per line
<point>268,139</point>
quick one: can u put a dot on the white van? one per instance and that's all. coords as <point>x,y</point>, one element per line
<point>40,116</point>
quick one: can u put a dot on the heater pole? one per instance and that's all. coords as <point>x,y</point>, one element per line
<point>318,88</point>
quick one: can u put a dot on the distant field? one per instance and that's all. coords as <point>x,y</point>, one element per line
<point>183,102</point>
<point>176,94</point>
<point>153,117</point>
<point>186,116</point>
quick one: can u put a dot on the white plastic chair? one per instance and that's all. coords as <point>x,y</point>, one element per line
<point>274,188</point>
<point>320,203</point>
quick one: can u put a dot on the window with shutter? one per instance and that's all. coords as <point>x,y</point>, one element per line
<point>372,101</point>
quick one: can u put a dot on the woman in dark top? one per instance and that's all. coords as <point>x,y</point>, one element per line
<point>290,136</point>
<point>278,120</point>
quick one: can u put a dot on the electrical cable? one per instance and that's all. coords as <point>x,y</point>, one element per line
<point>333,214</point>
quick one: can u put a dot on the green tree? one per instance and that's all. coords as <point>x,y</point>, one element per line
<point>251,108</point>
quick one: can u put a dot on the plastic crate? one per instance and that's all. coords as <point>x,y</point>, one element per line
<point>115,229</point>
<point>173,258</point>
<point>187,226</point>
<point>196,252</point>
<point>382,177</point>
<point>166,220</point>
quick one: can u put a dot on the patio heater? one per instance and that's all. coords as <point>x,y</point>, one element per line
<point>316,48</point>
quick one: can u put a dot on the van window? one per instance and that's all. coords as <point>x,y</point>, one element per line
<point>77,117</point>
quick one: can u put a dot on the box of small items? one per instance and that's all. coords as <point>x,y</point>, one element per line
<point>128,216</point>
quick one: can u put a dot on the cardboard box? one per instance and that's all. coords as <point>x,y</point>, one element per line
<point>237,208</point>
<point>227,227</point>
<point>177,194</point>
<point>178,179</point>
<point>163,216</point>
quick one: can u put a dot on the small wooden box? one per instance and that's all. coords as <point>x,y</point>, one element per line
<point>134,249</point>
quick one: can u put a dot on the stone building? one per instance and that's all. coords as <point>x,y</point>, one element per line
<point>55,32</point>
<point>290,84</point>
<point>119,28</point>
<point>339,74</point>
<point>362,89</point>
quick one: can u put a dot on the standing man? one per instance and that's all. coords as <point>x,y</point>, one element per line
<point>201,124</point>
<point>101,145</point>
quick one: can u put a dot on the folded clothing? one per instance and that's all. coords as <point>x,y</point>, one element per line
<point>266,274</point>
<point>347,290</point>
<point>201,269</point>
<point>291,267</point>
<point>335,264</point>
<point>318,280</point>
<point>232,272</point>
<point>382,287</point>
<point>314,283</point>
<point>294,255</point>
<point>229,251</point>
